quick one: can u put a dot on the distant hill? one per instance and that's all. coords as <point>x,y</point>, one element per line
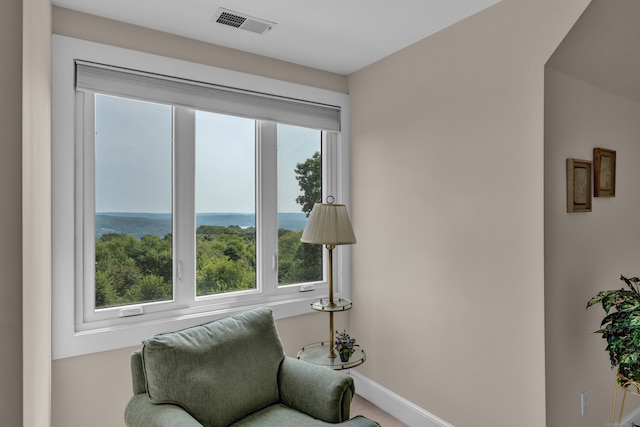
<point>137,226</point>
<point>142,224</point>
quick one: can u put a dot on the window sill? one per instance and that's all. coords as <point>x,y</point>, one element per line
<point>77,343</point>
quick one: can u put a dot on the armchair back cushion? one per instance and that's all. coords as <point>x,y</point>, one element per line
<point>218,372</point>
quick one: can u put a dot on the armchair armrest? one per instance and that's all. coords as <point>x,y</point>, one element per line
<point>140,412</point>
<point>315,390</point>
<point>137,373</point>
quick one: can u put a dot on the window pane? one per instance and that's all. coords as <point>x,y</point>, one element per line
<point>133,202</point>
<point>225,204</point>
<point>299,187</point>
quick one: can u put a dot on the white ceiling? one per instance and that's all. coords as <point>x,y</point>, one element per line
<point>340,36</point>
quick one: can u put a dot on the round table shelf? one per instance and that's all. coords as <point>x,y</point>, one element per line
<point>339,304</point>
<point>316,353</point>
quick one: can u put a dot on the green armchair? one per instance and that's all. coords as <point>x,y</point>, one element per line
<point>233,372</point>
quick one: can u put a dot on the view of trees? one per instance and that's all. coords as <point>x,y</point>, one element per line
<point>225,259</point>
<point>131,270</point>
<point>299,262</point>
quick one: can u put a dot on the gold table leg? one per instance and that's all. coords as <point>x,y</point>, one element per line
<point>625,386</point>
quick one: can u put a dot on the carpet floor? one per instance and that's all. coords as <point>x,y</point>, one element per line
<point>360,406</point>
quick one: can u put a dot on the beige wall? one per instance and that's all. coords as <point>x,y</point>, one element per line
<point>447,185</point>
<point>36,210</point>
<point>10,214</point>
<point>585,252</point>
<point>82,26</point>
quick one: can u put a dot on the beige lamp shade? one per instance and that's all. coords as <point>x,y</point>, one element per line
<point>328,224</point>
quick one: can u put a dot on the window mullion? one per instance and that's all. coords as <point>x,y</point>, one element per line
<point>184,226</point>
<point>331,187</point>
<point>85,185</point>
<point>335,175</point>
<point>267,205</point>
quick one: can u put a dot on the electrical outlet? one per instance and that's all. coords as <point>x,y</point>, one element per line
<point>584,400</point>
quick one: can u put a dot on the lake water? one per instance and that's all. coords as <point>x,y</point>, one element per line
<point>141,224</point>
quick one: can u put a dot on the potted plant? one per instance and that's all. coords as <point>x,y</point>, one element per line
<point>344,345</point>
<point>621,328</point>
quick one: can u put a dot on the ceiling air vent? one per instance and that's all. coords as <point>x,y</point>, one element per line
<point>241,21</point>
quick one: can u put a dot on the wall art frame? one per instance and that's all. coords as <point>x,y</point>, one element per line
<point>579,185</point>
<point>604,172</point>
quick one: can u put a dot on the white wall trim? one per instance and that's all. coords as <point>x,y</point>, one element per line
<point>394,404</point>
<point>632,419</point>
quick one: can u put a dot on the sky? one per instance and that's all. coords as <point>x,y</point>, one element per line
<point>134,156</point>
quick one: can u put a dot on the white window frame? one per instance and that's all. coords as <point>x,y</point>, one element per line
<point>72,334</point>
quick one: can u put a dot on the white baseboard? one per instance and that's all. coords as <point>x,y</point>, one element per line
<point>629,420</point>
<point>397,406</point>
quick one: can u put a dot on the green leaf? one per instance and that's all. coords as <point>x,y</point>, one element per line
<point>610,318</point>
<point>630,282</point>
<point>609,300</point>
<point>629,358</point>
<point>633,320</point>
<point>601,296</point>
<point>629,305</point>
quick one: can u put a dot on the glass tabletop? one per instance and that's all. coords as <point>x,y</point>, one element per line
<point>323,304</point>
<point>317,353</point>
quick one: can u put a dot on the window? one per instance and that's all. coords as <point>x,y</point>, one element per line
<point>138,256</point>
<point>226,231</point>
<point>186,198</point>
<point>299,187</point>
<point>132,186</point>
